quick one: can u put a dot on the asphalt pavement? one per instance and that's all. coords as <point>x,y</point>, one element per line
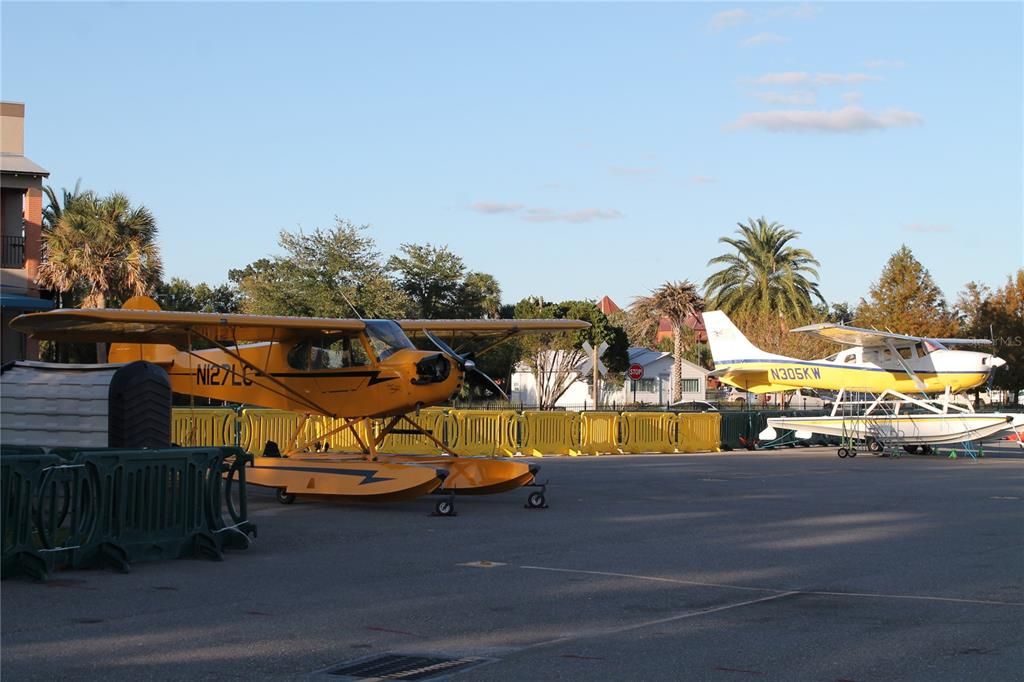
<point>783,565</point>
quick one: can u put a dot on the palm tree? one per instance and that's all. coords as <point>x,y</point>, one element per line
<point>105,245</point>
<point>765,275</point>
<point>102,246</point>
<point>55,208</point>
<point>675,301</point>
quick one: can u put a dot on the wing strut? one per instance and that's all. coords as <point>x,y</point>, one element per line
<point>292,393</point>
<point>508,335</point>
<point>906,368</point>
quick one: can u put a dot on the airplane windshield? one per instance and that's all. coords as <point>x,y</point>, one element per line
<point>386,337</point>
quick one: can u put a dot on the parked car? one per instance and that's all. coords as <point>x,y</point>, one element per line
<point>808,399</point>
<point>692,406</point>
<point>800,399</point>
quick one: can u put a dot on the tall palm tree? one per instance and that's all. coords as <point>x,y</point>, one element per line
<point>675,301</point>
<point>766,275</point>
<point>102,246</point>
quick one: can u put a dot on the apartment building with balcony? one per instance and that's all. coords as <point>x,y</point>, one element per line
<point>21,218</point>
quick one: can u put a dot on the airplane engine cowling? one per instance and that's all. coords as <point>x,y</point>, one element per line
<point>432,369</point>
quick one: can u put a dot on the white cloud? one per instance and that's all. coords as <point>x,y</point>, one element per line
<point>802,11</point>
<point>849,119</point>
<point>885,64</point>
<point>843,78</point>
<point>495,207</point>
<point>927,228</point>
<point>545,215</point>
<point>764,39</point>
<point>703,180</point>
<point>805,78</point>
<point>803,98</point>
<point>852,97</point>
<point>632,171</point>
<point>583,215</point>
<point>785,78</point>
<point>728,19</point>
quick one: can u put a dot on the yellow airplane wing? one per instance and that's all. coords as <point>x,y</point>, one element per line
<point>492,333</point>
<point>162,326</point>
<point>492,327</point>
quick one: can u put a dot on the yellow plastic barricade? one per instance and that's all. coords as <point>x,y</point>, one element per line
<point>260,426</point>
<point>700,432</point>
<point>599,433</point>
<point>550,433</point>
<point>484,432</point>
<point>648,432</point>
<point>433,420</point>
<point>202,427</point>
<point>325,432</point>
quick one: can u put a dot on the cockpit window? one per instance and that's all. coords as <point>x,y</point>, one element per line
<point>328,352</point>
<point>386,337</point>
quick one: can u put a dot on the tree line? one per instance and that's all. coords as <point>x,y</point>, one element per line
<point>100,250</point>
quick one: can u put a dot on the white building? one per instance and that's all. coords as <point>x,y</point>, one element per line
<point>654,389</point>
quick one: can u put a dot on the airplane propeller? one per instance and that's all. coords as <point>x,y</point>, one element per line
<point>467,365</point>
<point>993,361</point>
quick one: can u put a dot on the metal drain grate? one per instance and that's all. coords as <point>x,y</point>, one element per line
<point>403,667</point>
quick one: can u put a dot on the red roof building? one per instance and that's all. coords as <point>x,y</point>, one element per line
<point>694,322</point>
<point>607,306</point>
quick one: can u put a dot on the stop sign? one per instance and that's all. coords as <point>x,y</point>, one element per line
<point>636,372</point>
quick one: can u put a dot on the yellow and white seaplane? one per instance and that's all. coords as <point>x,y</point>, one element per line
<point>352,370</point>
<point>874,377</point>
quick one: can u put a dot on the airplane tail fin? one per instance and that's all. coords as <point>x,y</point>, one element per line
<point>160,354</point>
<point>727,342</point>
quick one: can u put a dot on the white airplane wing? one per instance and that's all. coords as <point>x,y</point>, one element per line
<point>873,338</point>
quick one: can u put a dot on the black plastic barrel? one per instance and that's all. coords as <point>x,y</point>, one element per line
<point>139,407</point>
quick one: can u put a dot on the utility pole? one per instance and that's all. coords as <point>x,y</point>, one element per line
<point>598,366</point>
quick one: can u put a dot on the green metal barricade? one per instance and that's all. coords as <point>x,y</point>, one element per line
<point>165,504</point>
<point>736,428</point>
<point>21,471</point>
<point>118,506</point>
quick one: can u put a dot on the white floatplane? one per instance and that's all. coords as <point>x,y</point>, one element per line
<point>873,377</point>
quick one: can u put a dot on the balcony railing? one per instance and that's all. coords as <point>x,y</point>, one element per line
<point>13,252</point>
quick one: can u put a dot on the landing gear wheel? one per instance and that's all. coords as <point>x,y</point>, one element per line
<point>875,446</point>
<point>927,450</point>
<point>853,452</point>
<point>911,449</point>
<point>536,501</point>
<point>444,508</point>
<point>285,497</point>
<point>842,452</point>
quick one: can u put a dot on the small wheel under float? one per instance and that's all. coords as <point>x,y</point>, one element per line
<point>283,496</point>
<point>842,452</point>
<point>536,500</point>
<point>875,446</point>
<point>444,508</point>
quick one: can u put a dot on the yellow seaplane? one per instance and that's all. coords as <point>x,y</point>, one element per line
<point>884,383</point>
<point>351,370</point>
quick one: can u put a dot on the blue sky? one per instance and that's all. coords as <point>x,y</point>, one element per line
<point>571,150</point>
